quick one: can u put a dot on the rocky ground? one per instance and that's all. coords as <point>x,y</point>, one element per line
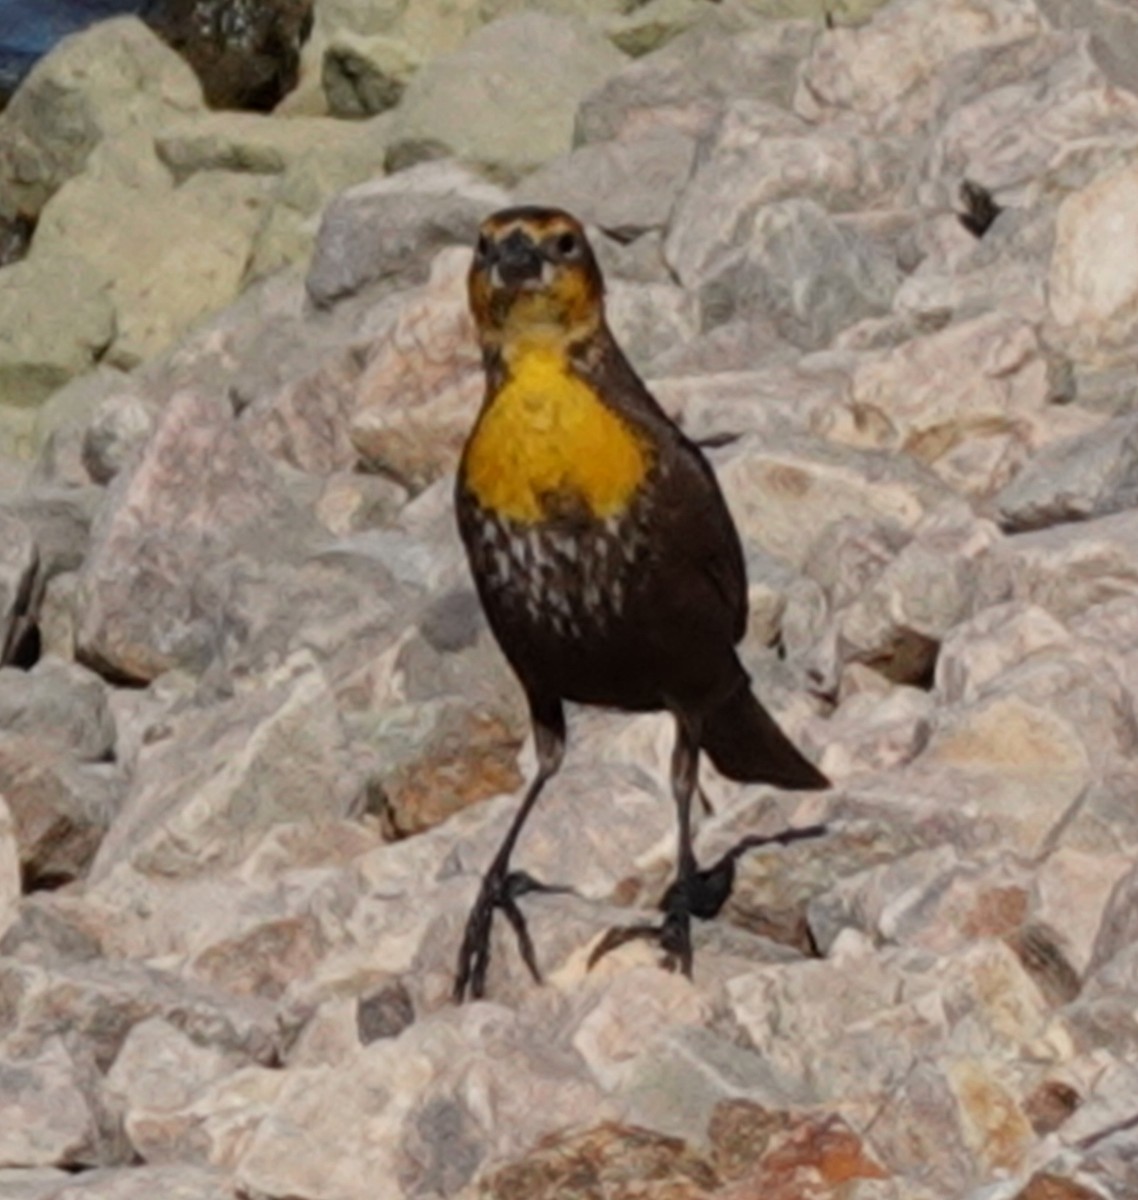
<point>256,744</point>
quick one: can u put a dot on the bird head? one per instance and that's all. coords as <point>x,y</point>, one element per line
<point>534,278</point>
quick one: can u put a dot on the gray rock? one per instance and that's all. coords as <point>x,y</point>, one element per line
<point>1075,478</point>
<point>388,231</point>
<point>804,272</point>
<point>685,85</point>
<point>183,816</point>
<point>758,154</point>
<point>1113,29</point>
<point>61,428</point>
<point>97,1003</point>
<point>49,1112</point>
<point>507,98</point>
<point>625,186</point>
<point>61,704</point>
<point>61,808</point>
<point>198,494</point>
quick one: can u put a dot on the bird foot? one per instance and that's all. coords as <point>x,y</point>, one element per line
<point>499,890</point>
<point>673,936</point>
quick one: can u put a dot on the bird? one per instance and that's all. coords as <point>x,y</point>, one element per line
<point>605,559</point>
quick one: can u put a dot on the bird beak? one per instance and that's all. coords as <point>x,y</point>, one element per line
<point>517,263</point>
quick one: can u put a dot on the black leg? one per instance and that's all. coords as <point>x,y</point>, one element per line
<point>501,888</point>
<point>674,935</point>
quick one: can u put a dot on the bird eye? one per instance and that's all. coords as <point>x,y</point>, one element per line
<point>567,244</point>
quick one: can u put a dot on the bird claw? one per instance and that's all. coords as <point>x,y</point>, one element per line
<point>673,936</point>
<point>497,891</point>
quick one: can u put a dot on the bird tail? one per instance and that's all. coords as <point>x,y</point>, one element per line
<point>744,742</point>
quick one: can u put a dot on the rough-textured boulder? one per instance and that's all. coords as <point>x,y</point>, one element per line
<point>91,88</point>
<point>56,319</point>
<point>158,285</point>
<point>506,98</point>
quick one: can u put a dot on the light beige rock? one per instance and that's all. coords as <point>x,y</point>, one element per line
<point>176,1181</point>
<point>213,1126</point>
<point>157,1071</point>
<point>869,734</point>
<point>1094,290</point>
<point>1066,569</point>
<point>776,491</point>
<point>1072,890</point>
<point>995,639</point>
<point>1016,765</point>
<point>426,1109</point>
<point>506,99</point>
<point>1048,127</point>
<point>973,379</point>
<point>92,87</point>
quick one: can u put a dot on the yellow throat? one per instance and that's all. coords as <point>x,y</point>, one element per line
<point>546,435</point>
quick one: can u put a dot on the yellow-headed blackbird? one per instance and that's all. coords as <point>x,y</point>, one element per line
<point>604,555</point>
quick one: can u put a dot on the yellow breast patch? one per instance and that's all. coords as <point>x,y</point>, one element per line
<point>546,434</point>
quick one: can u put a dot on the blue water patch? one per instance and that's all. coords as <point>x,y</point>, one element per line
<point>29,28</point>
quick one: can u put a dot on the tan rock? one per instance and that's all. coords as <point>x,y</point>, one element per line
<point>93,86</point>
<point>158,285</point>
<point>55,320</point>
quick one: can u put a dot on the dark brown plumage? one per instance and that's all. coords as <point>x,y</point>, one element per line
<point>603,552</point>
